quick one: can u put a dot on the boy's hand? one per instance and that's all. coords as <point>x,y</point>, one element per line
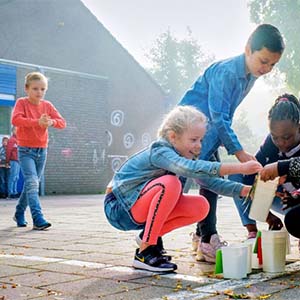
<point>250,167</point>
<point>45,121</point>
<point>244,156</point>
<point>269,172</point>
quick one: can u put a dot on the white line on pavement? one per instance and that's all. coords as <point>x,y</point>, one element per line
<point>210,286</point>
<point>223,285</point>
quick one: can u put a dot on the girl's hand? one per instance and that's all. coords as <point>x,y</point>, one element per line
<point>245,191</point>
<point>274,222</point>
<point>269,172</point>
<point>250,167</point>
<point>290,199</point>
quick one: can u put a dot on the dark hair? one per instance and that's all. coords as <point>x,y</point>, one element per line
<point>266,36</point>
<point>286,107</point>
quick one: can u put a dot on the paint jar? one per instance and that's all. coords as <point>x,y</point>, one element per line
<point>273,250</point>
<point>264,194</point>
<point>249,259</point>
<point>235,261</point>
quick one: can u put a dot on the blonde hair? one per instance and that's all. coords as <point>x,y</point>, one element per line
<point>179,120</point>
<point>34,76</point>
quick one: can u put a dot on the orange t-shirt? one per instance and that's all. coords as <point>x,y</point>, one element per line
<point>26,116</point>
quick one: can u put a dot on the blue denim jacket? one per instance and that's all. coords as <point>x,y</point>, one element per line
<point>159,159</point>
<point>217,93</point>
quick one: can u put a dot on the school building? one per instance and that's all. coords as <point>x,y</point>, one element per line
<point>111,104</point>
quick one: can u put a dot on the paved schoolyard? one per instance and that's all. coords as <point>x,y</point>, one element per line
<point>82,257</point>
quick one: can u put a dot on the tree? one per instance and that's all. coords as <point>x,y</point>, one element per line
<point>247,138</point>
<point>175,64</point>
<point>286,16</point>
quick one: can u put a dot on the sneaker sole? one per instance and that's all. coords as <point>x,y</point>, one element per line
<point>138,240</point>
<point>19,225</point>
<point>41,227</point>
<point>142,266</point>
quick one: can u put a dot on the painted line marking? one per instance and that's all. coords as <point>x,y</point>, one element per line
<point>221,286</point>
<point>210,285</point>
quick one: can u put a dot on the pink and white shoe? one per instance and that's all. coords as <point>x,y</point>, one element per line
<point>208,250</point>
<point>252,235</point>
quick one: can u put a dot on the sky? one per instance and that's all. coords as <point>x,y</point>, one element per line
<point>221,27</point>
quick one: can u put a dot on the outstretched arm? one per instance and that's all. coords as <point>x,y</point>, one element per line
<point>246,168</point>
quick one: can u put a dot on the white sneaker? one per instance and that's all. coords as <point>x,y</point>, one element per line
<point>208,250</point>
<point>195,241</point>
<point>199,254</point>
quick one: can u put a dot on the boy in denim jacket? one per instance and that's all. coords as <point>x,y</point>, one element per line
<point>217,93</point>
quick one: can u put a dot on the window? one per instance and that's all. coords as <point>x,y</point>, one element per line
<point>5,125</point>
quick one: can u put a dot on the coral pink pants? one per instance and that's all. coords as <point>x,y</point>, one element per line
<point>163,208</point>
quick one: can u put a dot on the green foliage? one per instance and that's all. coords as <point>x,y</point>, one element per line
<point>175,64</point>
<point>286,16</point>
<point>247,138</point>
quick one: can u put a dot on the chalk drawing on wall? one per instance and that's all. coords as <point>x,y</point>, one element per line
<point>128,140</point>
<point>117,161</point>
<point>146,139</point>
<point>94,155</point>
<point>103,156</point>
<point>95,158</point>
<point>109,137</point>
<point>117,118</point>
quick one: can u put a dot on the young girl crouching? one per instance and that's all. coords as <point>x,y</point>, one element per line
<point>146,193</point>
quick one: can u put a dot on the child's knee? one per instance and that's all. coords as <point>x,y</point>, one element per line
<point>201,207</point>
<point>173,182</point>
<point>32,185</point>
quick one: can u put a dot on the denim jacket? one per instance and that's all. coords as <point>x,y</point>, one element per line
<point>159,159</point>
<point>217,93</point>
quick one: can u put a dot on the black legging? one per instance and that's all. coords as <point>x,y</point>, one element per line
<point>292,221</point>
<point>208,226</point>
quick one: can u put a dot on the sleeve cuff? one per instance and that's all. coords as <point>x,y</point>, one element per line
<point>283,167</point>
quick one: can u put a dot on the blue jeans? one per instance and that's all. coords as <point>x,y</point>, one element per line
<point>244,210</point>
<point>118,216</point>
<point>3,181</point>
<point>13,176</point>
<point>32,163</point>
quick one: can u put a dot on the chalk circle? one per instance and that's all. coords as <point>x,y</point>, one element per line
<point>117,118</point>
<point>146,139</point>
<point>116,163</point>
<point>128,140</point>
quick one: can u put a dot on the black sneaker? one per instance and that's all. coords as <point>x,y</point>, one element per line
<point>20,221</point>
<point>42,226</point>
<point>159,245</point>
<point>151,260</point>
